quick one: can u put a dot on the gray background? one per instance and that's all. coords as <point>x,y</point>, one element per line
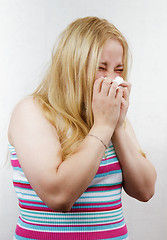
<point>28,30</point>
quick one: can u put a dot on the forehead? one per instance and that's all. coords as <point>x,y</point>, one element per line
<point>112,51</point>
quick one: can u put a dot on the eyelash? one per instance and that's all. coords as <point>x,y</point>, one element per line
<point>101,68</point>
<point>118,70</point>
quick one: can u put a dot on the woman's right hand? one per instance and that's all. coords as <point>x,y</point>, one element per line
<point>106,102</point>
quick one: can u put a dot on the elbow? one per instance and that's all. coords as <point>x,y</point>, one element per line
<point>56,198</point>
<point>61,207</point>
<point>146,194</point>
<point>145,197</point>
<point>148,191</point>
<point>59,204</point>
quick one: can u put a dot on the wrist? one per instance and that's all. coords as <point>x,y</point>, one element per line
<point>103,132</point>
<point>102,129</point>
<point>119,131</point>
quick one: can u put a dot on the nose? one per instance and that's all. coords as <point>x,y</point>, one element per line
<point>111,75</point>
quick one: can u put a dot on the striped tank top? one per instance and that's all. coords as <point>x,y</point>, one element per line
<point>97,214</point>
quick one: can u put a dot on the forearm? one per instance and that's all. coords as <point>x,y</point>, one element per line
<point>138,173</point>
<point>78,170</point>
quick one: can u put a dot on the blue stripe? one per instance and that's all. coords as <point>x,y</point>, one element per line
<point>14,157</point>
<point>72,229</point>
<point>74,206</point>
<point>61,220</point>
<point>34,205</point>
<point>18,169</point>
<point>73,214</point>
<point>96,206</point>
<point>118,238</point>
<point>105,185</point>
<point>27,194</point>
<point>20,181</point>
<point>70,224</point>
<point>109,161</point>
<point>108,173</point>
<point>100,196</point>
<point>22,238</point>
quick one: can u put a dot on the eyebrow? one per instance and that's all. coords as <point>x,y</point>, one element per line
<point>103,63</point>
<point>118,66</point>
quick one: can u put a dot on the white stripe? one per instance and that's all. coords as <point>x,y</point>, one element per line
<point>109,179</point>
<point>71,214</point>
<point>25,191</point>
<point>29,198</point>
<point>98,199</point>
<point>110,163</point>
<point>102,193</point>
<point>72,221</point>
<point>19,176</point>
<point>13,157</point>
<point>97,230</point>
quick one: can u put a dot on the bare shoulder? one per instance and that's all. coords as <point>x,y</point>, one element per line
<point>26,106</point>
<point>25,109</point>
<point>26,117</point>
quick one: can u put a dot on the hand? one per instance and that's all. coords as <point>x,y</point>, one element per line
<point>106,102</point>
<point>126,88</point>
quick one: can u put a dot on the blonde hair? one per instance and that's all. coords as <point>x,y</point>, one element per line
<point>66,91</point>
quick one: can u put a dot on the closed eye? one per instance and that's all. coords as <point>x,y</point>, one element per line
<point>119,70</point>
<point>102,68</point>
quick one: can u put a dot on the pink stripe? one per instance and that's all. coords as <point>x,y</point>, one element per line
<point>114,156</point>
<point>13,154</point>
<point>31,202</point>
<point>71,235</point>
<point>79,209</point>
<point>22,185</point>
<point>109,168</point>
<point>98,203</point>
<point>36,208</point>
<point>15,163</point>
<point>76,205</point>
<point>96,209</point>
<point>104,188</point>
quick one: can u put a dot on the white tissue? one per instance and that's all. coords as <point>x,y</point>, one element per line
<point>119,80</point>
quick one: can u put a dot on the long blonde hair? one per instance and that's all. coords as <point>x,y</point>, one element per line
<point>66,91</point>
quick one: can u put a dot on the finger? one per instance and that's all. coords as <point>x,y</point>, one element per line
<point>126,84</point>
<point>113,89</point>
<point>106,85</point>
<point>124,105</point>
<point>125,93</point>
<point>119,93</point>
<point>97,85</point>
<point>123,102</point>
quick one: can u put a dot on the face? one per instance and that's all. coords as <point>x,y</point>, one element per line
<point>111,60</point>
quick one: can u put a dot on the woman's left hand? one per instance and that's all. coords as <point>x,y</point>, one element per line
<point>126,88</point>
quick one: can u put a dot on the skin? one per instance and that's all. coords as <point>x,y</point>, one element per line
<point>60,183</point>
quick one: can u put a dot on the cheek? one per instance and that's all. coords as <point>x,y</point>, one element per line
<point>99,74</point>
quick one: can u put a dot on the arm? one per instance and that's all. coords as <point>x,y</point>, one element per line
<point>60,183</point>
<point>139,175</point>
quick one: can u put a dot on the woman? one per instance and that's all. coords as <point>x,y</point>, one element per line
<point>67,137</point>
